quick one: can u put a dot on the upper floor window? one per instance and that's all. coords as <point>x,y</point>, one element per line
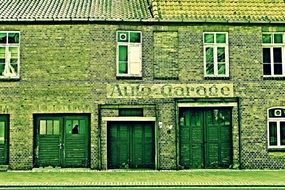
<point>216,56</point>
<point>276,128</point>
<point>9,54</point>
<point>129,53</point>
<point>273,54</point>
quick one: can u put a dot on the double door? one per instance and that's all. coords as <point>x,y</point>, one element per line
<point>205,137</point>
<point>130,145</point>
<point>62,141</point>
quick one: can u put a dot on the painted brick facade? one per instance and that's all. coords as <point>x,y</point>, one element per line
<point>65,68</point>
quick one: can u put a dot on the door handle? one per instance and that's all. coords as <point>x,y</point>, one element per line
<point>60,145</point>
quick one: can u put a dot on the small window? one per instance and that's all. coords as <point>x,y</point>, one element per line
<point>276,128</point>
<point>273,54</point>
<point>49,127</point>
<point>216,61</point>
<point>9,55</point>
<point>129,53</point>
<point>131,112</point>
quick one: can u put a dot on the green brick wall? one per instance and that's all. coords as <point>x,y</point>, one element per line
<point>65,69</point>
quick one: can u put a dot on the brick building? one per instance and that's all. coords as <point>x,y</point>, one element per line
<point>142,84</point>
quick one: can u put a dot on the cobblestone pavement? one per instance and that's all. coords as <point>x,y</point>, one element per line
<point>216,182</point>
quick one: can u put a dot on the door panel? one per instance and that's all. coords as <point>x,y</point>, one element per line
<point>49,153</point>
<point>205,137</point>
<point>4,140</point>
<point>130,145</point>
<point>75,142</point>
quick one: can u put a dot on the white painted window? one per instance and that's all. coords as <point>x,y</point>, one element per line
<point>276,127</point>
<point>129,53</point>
<point>216,54</point>
<point>273,54</point>
<point>9,54</point>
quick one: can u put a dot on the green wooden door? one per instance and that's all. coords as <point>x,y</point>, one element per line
<point>76,140</point>
<point>4,139</point>
<point>130,145</point>
<point>62,141</point>
<point>49,141</point>
<point>205,138</point>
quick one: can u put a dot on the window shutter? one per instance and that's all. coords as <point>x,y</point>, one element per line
<point>135,59</point>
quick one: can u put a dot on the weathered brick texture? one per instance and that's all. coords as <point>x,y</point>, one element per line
<point>65,68</point>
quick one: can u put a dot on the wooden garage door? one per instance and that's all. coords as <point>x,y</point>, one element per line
<point>130,145</point>
<point>205,138</point>
<point>4,140</point>
<point>62,141</point>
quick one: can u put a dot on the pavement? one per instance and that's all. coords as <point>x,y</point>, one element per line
<point>201,183</point>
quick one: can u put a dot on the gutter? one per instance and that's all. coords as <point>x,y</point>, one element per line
<point>143,20</point>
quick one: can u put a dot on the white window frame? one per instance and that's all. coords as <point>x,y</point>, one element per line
<point>215,54</point>
<point>128,44</point>
<point>271,46</point>
<point>277,120</point>
<point>7,45</point>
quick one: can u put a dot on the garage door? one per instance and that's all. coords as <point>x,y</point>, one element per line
<point>62,141</point>
<point>130,145</point>
<point>205,138</point>
<point>4,139</point>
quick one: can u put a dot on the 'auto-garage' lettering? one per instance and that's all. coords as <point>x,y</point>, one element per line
<point>169,90</point>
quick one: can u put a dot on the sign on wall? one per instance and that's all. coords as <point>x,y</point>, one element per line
<point>169,90</point>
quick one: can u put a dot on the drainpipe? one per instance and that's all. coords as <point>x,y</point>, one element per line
<point>239,133</point>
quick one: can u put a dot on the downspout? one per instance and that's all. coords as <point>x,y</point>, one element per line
<point>99,137</point>
<point>239,134</point>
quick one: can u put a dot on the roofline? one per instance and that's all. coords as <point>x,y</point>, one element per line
<point>148,20</point>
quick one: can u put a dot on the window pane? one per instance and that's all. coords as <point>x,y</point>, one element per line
<point>221,54</point>
<point>49,127</point>
<point>123,67</point>
<point>210,68</point>
<point>266,55</point>
<point>14,52</point>
<point>122,36</point>
<point>278,69</point>
<point>221,38</point>
<point>278,38</point>
<point>221,69</point>
<point>209,55</point>
<point>123,53</point>
<point>266,38</point>
<point>208,38</point>
<point>2,67</point>
<point>75,127</point>
<point>272,133</point>
<point>43,127</point>
<point>82,127</point>
<point>2,132</point>
<point>13,38</point>
<point>56,127</point>
<point>282,133</point>
<point>277,55</point>
<point>135,37</point>
<point>266,69</point>
<point>3,38</point>
<point>2,52</point>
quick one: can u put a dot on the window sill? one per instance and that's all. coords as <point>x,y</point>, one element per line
<point>273,77</point>
<point>276,149</point>
<point>129,77</point>
<point>216,78</point>
<point>9,79</point>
